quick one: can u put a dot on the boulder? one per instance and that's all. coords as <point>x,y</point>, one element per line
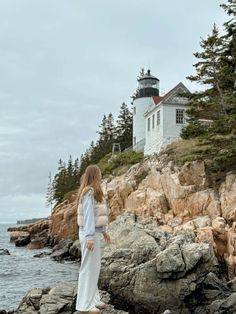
<point>61,250</point>
<point>23,239</point>
<point>148,269</point>
<point>224,305</point>
<point>59,299</point>
<point>16,234</point>
<point>194,173</point>
<point>218,223</point>
<point>75,250</point>
<point>4,252</point>
<point>36,244</point>
<point>37,233</point>
<point>227,193</point>
<point>42,254</point>
<point>39,240</point>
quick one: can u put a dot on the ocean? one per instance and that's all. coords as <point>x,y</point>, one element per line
<point>20,271</point>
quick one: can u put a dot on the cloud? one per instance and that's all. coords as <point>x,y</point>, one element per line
<point>63,64</point>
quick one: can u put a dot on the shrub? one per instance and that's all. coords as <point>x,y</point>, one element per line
<point>218,151</point>
<point>113,164</point>
<point>69,195</point>
<point>192,130</point>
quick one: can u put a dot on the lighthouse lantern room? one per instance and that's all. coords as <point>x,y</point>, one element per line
<point>148,86</point>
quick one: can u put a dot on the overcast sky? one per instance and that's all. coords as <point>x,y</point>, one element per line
<point>63,64</point>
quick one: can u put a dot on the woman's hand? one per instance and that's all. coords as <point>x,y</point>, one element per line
<point>90,245</point>
<point>107,238</point>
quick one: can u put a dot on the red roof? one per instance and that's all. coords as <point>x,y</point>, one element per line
<point>157,99</point>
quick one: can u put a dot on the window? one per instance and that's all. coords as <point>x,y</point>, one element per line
<point>134,110</point>
<point>149,123</point>
<point>158,117</point>
<point>153,121</point>
<point>179,116</point>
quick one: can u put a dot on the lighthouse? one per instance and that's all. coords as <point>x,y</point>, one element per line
<point>148,86</point>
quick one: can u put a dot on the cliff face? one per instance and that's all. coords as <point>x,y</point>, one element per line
<point>34,235</point>
<point>152,270</point>
<point>64,221</point>
<point>176,197</point>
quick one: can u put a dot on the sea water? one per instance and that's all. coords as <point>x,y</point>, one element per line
<point>20,271</point>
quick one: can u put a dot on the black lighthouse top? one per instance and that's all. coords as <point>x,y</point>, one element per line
<point>148,85</point>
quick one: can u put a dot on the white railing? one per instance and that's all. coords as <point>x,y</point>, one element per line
<point>138,147</point>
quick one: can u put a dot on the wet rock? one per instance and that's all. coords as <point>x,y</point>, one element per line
<point>23,239</point>
<point>39,240</point>
<point>224,306</point>
<point>35,244</point>
<point>4,252</point>
<point>16,234</point>
<point>61,250</point>
<point>59,299</point>
<point>75,250</point>
<point>42,254</point>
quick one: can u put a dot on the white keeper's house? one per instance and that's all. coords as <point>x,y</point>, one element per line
<point>157,120</point>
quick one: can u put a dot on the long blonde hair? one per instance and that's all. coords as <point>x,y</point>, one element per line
<point>91,178</point>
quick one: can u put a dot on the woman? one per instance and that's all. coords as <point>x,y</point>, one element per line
<point>92,218</point>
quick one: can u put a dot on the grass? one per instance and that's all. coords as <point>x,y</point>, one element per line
<point>188,150</point>
<point>118,164</point>
<point>218,152</point>
<point>68,196</point>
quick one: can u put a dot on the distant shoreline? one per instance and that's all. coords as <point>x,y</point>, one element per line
<point>22,222</point>
<point>29,221</point>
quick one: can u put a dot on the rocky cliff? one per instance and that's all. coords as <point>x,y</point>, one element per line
<point>176,197</point>
<point>174,238</point>
<point>147,270</point>
<point>34,235</point>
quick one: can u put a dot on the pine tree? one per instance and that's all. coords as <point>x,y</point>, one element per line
<point>124,128</point>
<point>65,180</point>
<point>230,9</point>
<point>209,73</point>
<point>110,131</point>
<point>49,195</point>
<point>103,129</point>
<point>215,101</point>
<point>107,136</point>
<point>70,179</point>
<point>70,167</point>
<point>229,54</point>
<point>76,171</point>
<point>84,162</point>
<point>95,154</point>
<point>59,182</point>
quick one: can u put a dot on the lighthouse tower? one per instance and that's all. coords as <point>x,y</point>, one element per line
<point>148,86</point>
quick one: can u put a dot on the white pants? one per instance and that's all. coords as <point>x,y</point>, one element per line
<point>88,295</point>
